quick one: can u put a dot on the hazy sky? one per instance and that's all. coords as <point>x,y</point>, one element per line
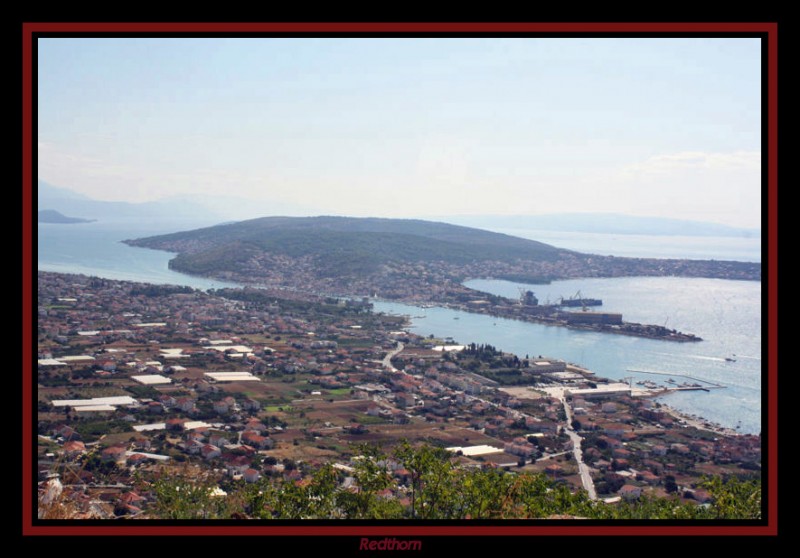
<point>410,127</point>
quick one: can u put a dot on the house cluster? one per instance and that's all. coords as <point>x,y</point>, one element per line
<point>134,379</point>
<point>632,441</point>
<point>440,281</point>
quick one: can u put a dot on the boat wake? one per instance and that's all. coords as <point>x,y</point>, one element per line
<point>702,357</point>
<point>749,357</point>
<point>699,357</point>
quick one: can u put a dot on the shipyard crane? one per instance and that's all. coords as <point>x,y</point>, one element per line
<point>579,296</point>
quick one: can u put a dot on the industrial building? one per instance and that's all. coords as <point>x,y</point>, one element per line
<point>593,318</point>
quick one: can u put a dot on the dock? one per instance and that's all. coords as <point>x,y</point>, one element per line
<point>707,387</point>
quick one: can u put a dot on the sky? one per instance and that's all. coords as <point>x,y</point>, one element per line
<point>409,127</point>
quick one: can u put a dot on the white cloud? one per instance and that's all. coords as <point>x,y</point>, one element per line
<point>736,160</point>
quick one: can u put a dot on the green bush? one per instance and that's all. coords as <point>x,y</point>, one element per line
<point>437,489</point>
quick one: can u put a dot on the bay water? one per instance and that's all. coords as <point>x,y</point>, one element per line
<point>735,248</point>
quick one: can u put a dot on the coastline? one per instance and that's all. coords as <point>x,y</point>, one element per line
<point>441,330</point>
<point>699,422</point>
<point>682,418</point>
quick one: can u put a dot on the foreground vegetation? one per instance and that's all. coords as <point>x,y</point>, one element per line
<point>436,488</point>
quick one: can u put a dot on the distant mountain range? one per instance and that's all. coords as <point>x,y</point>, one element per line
<point>68,202</point>
<point>603,223</point>
<point>201,210</point>
<point>52,216</point>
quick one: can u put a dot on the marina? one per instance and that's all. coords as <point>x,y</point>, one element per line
<point>685,386</point>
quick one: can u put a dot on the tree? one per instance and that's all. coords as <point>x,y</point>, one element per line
<point>371,476</point>
<point>183,497</point>
<point>486,493</point>
<point>430,470</point>
<point>734,498</point>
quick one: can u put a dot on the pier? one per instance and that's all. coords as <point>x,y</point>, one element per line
<point>668,389</point>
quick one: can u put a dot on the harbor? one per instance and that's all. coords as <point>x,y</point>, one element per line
<point>610,356</point>
<point>655,389</point>
<point>528,309</point>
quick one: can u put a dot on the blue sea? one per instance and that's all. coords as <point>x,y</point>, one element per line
<point>97,249</point>
<point>740,249</point>
<point>726,314</point>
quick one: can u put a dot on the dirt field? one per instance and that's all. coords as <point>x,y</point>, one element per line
<point>303,452</point>
<point>448,436</point>
<point>522,392</point>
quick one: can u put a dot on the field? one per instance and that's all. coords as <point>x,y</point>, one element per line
<point>521,392</point>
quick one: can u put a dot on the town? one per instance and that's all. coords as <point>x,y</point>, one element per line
<point>441,283</point>
<point>135,381</point>
<point>418,262</point>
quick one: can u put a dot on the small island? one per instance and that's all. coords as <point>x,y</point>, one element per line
<point>53,216</point>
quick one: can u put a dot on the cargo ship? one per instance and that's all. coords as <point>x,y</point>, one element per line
<point>573,302</point>
<point>577,300</point>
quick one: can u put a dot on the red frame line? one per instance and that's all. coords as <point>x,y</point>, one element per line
<point>443,29</point>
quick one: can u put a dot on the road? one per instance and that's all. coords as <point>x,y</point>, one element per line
<point>387,360</point>
<point>583,469</point>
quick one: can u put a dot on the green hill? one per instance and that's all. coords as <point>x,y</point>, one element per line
<point>342,245</point>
